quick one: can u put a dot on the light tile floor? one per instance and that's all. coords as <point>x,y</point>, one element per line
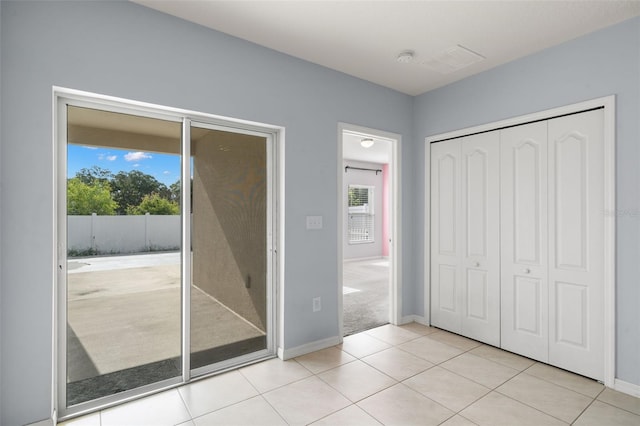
<point>407,375</point>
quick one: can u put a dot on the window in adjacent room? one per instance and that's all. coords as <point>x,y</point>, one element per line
<point>361,214</point>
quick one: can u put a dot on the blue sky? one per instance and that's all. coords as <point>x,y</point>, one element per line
<point>164,167</point>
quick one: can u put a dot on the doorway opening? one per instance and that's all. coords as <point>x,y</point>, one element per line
<point>368,204</point>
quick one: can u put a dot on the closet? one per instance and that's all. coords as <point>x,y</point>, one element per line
<point>517,236</point>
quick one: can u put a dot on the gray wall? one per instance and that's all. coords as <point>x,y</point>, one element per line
<point>603,63</point>
<point>122,49</point>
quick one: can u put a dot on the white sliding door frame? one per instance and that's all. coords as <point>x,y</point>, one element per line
<point>608,103</point>
<point>274,136</point>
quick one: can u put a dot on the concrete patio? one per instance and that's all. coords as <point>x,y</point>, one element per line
<point>124,312</point>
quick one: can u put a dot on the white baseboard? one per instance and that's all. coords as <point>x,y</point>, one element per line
<point>363,259</point>
<point>626,387</point>
<point>414,318</point>
<point>46,422</point>
<point>289,353</point>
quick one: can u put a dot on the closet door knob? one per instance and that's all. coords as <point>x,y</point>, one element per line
<point>476,264</point>
<point>527,270</point>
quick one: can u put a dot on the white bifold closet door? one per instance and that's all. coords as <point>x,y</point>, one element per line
<point>465,254</point>
<point>524,241</point>
<point>576,249</point>
<point>552,241</point>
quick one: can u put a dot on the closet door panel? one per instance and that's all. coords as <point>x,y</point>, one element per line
<point>524,254</point>
<point>480,189</point>
<point>446,247</point>
<point>576,230</point>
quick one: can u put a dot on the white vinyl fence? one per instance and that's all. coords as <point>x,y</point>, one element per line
<point>122,234</point>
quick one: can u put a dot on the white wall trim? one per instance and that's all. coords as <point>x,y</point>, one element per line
<point>609,296</point>
<point>626,387</point>
<point>608,102</point>
<point>360,259</point>
<point>414,318</point>
<point>280,239</point>
<point>317,345</point>
<point>45,422</point>
<point>426,267</point>
<point>395,248</point>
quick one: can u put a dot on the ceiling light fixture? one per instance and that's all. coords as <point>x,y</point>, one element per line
<point>366,142</point>
<point>405,57</point>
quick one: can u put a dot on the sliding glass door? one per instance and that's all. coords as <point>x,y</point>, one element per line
<point>165,249</point>
<point>123,302</point>
<point>229,245</point>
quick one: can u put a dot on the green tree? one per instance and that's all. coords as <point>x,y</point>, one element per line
<point>83,199</point>
<point>94,174</point>
<point>174,188</point>
<point>155,204</point>
<point>130,188</point>
<point>176,191</point>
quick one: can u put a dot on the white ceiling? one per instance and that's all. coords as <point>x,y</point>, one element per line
<point>379,153</point>
<point>363,38</point>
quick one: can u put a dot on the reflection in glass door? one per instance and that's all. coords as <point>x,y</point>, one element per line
<point>123,299</point>
<point>229,246</point>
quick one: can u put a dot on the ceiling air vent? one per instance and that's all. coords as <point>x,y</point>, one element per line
<point>452,59</point>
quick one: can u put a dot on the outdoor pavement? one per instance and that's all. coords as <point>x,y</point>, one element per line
<point>124,311</point>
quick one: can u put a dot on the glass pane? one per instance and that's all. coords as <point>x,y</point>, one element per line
<point>228,226</point>
<point>123,241</point>
<point>361,219</point>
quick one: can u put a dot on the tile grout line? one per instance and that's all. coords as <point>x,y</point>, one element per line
<point>583,411</point>
<point>615,406</point>
<point>538,409</point>
<point>274,409</point>
<point>561,385</point>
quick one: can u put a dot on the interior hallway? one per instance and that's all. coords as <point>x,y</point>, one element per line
<point>408,375</point>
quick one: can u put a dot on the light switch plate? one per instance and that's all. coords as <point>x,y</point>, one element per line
<point>314,222</point>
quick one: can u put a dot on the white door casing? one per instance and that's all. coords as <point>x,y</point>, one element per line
<point>275,236</point>
<point>395,219</point>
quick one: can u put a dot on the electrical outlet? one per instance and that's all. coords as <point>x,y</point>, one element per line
<point>317,305</point>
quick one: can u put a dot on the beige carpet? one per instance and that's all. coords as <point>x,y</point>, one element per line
<point>365,301</point>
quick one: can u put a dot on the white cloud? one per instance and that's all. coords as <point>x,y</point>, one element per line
<point>136,165</point>
<point>136,156</point>
<point>90,147</point>
<point>166,172</point>
<point>103,156</point>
